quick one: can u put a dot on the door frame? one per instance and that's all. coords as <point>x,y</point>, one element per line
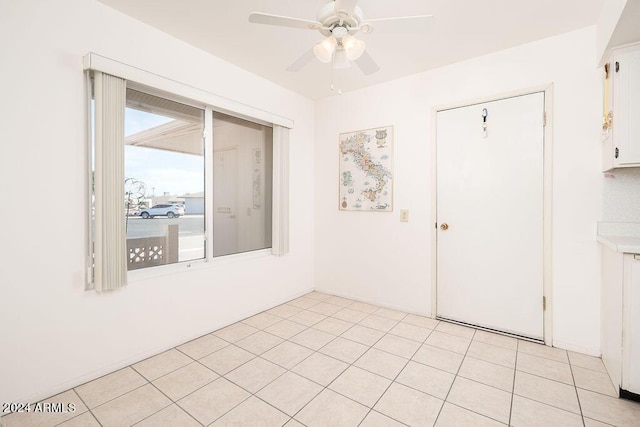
<point>547,277</point>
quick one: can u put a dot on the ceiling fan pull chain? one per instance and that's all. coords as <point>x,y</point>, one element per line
<point>332,88</point>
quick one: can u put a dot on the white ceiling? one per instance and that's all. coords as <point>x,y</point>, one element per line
<point>461,29</point>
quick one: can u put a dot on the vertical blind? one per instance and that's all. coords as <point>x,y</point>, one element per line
<point>280,239</point>
<point>110,262</point>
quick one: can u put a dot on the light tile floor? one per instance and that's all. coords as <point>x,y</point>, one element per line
<point>322,360</point>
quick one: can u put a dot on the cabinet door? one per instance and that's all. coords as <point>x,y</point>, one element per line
<point>611,320</point>
<point>627,106</point>
<point>631,324</point>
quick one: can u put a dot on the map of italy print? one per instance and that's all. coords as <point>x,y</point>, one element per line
<point>366,170</point>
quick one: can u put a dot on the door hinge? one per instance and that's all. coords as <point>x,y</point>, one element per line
<point>617,66</point>
<point>544,119</point>
<point>436,225</point>
<point>544,303</point>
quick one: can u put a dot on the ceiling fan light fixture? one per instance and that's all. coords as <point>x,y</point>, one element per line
<point>353,47</point>
<point>324,50</point>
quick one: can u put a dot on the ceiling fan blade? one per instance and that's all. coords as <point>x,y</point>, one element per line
<point>346,7</point>
<point>283,21</point>
<point>404,24</point>
<point>366,64</point>
<point>302,61</point>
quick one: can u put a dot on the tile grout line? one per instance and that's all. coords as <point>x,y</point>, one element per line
<point>561,382</point>
<point>286,370</point>
<point>85,404</point>
<point>590,369</point>
<point>137,388</point>
<point>397,375</point>
<point>513,387</point>
<point>199,388</point>
<point>349,365</point>
<point>544,357</point>
<point>392,381</point>
<point>454,379</point>
<point>163,408</point>
<point>481,383</point>
<point>475,412</point>
<point>44,400</point>
<point>252,394</point>
<point>232,408</point>
<point>170,372</point>
<point>176,402</point>
<point>119,396</point>
<point>547,404</point>
<point>88,409</point>
<point>575,388</point>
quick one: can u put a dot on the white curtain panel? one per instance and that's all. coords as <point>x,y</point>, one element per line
<point>280,239</point>
<point>110,235</point>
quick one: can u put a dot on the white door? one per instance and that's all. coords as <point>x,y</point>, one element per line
<point>225,202</point>
<point>490,196</point>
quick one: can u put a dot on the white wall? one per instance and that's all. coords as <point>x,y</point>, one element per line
<point>53,334</point>
<point>607,22</point>
<point>374,257</point>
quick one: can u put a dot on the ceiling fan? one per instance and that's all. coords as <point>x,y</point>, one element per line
<point>338,21</point>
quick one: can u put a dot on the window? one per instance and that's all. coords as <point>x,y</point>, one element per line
<point>164,167</point>
<point>177,181</point>
<point>242,178</point>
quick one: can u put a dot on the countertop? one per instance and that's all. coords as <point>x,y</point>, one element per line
<point>620,236</point>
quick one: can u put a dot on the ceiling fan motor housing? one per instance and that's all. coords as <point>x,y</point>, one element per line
<point>331,18</point>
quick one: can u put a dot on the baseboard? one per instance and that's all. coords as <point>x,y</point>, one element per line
<point>590,351</point>
<point>373,302</point>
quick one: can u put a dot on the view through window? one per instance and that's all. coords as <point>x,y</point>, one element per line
<point>164,181</point>
<point>242,185</point>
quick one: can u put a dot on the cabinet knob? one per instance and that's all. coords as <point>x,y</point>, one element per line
<point>444,226</point>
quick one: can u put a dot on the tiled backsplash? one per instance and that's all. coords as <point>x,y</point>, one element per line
<point>621,195</point>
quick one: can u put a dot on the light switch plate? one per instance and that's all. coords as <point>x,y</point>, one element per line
<point>404,215</point>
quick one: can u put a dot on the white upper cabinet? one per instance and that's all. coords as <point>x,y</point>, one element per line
<point>621,141</point>
<point>627,102</point>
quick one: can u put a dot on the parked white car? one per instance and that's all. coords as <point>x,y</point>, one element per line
<point>170,211</point>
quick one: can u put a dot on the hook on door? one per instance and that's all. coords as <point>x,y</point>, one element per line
<point>485,113</point>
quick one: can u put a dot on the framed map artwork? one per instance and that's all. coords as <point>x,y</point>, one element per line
<point>366,170</point>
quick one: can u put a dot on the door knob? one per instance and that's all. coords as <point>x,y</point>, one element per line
<point>444,226</point>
